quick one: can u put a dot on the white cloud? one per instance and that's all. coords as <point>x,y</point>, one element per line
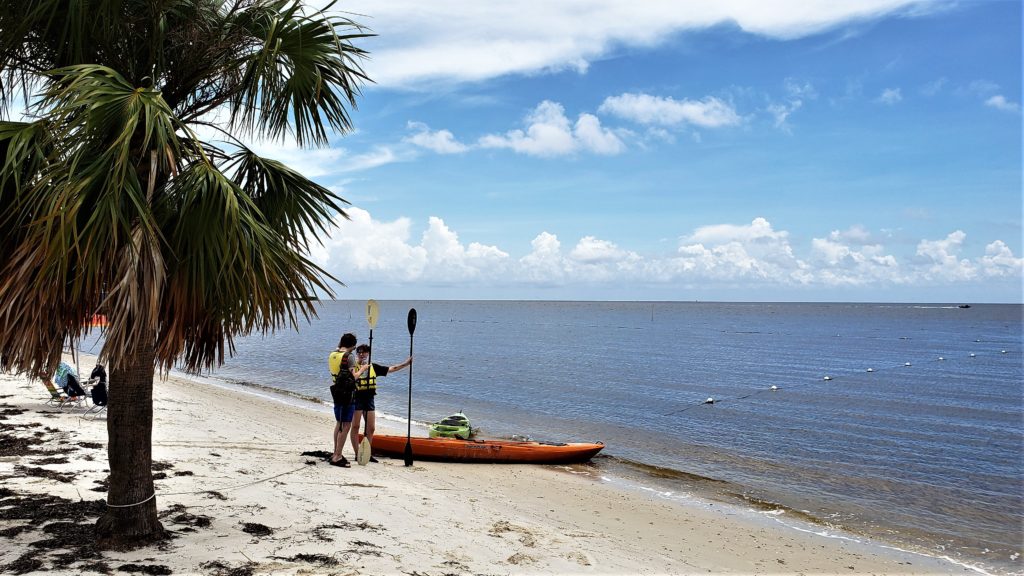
<point>732,252</point>
<point>944,262</point>
<point>890,96</point>
<point>999,261</point>
<point>440,141</point>
<point>855,234</point>
<point>665,111</point>
<point>466,40</point>
<point>591,250</point>
<point>839,264</point>
<point>595,138</point>
<point>797,92</point>
<point>367,251</point>
<point>759,229</point>
<point>550,133</point>
<point>999,102</point>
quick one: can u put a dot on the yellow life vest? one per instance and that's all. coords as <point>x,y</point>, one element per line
<point>334,362</point>
<point>367,383</point>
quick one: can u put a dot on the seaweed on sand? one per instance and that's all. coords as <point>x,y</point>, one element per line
<point>258,530</point>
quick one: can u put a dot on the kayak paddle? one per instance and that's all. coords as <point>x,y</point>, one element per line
<point>372,313</point>
<point>408,430</point>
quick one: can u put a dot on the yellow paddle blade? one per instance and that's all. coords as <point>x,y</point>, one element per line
<point>363,455</point>
<point>372,313</point>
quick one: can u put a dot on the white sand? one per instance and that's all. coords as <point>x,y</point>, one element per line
<point>385,518</point>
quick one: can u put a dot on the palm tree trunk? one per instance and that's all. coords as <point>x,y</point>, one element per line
<point>130,519</point>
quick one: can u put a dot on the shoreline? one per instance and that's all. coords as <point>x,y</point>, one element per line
<point>670,484</point>
<point>236,489</point>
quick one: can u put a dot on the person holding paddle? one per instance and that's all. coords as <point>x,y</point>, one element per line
<point>366,389</point>
<point>344,370</point>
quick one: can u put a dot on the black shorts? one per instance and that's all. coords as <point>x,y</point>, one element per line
<point>364,403</point>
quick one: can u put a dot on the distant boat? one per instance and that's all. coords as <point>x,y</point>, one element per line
<point>964,306</point>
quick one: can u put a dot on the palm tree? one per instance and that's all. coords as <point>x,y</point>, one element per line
<point>110,201</point>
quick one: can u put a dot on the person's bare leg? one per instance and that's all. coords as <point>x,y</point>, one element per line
<point>339,442</point>
<point>342,435</point>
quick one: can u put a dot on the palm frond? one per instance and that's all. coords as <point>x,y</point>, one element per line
<point>303,70</point>
<point>290,202</point>
<point>235,265</point>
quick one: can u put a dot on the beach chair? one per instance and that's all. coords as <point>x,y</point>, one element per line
<point>57,397</point>
<point>99,400</point>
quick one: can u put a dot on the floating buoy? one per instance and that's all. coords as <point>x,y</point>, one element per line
<point>828,378</point>
<point>972,354</point>
<point>774,387</point>
<point>977,339</point>
<point>907,364</point>
<point>1002,351</point>
<point>871,369</point>
<point>709,401</point>
<point>941,358</point>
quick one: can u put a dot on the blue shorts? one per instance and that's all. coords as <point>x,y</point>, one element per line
<point>344,414</point>
<point>364,403</point>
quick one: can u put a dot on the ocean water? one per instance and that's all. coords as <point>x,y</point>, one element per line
<point>921,452</point>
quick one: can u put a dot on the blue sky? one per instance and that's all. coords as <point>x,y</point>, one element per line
<point>752,151</point>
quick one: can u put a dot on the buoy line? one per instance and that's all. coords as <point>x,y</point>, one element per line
<point>826,378</point>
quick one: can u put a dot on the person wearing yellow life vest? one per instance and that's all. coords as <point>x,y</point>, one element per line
<point>366,389</point>
<point>342,359</point>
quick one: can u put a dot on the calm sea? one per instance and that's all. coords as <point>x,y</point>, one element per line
<point>915,439</point>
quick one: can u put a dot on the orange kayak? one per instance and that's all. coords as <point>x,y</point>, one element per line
<point>492,451</point>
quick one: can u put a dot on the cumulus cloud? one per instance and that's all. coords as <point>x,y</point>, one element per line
<point>890,96</point>
<point>374,251</point>
<point>465,40</point>
<point>440,141</point>
<point>999,261</point>
<point>759,229</point>
<point>666,111</point>
<point>550,133</point>
<point>999,102</point>
<point>943,258</point>
<point>368,251</point>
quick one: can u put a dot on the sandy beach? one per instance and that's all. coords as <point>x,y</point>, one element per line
<point>239,497</point>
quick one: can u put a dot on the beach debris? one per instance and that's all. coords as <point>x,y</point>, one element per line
<point>320,532</point>
<point>827,378</point>
<point>218,568</point>
<point>152,569</point>
<point>709,401</point>
<point>180,515</point>
<point>25,564</point>
<point>318,559</point>
<point>257,529</point>
<point>44,473</point>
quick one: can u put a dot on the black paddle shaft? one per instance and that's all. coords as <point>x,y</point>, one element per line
<point>408,430</point>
